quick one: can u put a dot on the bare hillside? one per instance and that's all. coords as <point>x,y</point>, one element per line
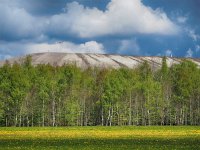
<point>96,60</point>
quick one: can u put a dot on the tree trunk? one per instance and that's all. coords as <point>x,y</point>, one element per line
<point>108,119</point>
<point>149,118</point>
<point>53,113</point>
<point>27,121</point>
<point>20,120</point>
<point>6,121</point>
<point>130,110</point>
<point>102,116</point>
<point>111,115</point>
<point>43,113</point>
<point>16,120</point>
<point>191,116</point>
<point>32,119</point>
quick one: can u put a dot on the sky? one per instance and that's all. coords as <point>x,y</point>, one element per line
<point>126,27</point>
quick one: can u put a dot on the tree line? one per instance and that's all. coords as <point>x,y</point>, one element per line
<point>51,95</point>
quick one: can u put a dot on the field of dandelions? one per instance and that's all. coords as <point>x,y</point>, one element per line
<point>105,138</point>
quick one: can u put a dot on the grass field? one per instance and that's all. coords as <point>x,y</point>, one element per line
<point>156,137</point>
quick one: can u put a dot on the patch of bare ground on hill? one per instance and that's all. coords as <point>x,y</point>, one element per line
<point>97,60</point>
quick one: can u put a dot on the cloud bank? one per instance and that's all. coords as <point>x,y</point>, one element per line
<point>23,31</point>
<point>67,47</point>
<point>16,48</point>
<point>120,18</point>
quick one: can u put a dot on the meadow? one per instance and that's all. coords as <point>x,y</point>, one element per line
<point>133,137</point>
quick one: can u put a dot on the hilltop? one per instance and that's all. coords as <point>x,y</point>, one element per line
<point>97,60</point>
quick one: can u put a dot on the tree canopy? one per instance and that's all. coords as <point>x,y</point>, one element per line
<point>46,95</point>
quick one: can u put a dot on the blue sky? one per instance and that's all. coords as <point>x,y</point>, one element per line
<point>128,27</point>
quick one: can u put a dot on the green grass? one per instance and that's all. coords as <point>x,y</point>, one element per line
<point>155,137</point>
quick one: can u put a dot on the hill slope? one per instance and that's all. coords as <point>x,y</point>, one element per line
<point>96,60</point>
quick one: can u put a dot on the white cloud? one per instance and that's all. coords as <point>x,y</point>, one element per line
<point>88,47</point>
<point>182,19</point>
<point>125,17</point>
<point>192,34</point>
<point>9,49</point>
<point>17,23</point>
<point>168,52</point>
<point>189,53</point>
<point>120,17</point>
<point>197,48</point>
<point>131,46</point>
<point>4,57</point>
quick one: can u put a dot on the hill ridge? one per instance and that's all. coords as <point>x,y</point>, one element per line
<point>85,60</point>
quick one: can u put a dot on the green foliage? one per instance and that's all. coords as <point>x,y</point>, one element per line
<point>46,95</point>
